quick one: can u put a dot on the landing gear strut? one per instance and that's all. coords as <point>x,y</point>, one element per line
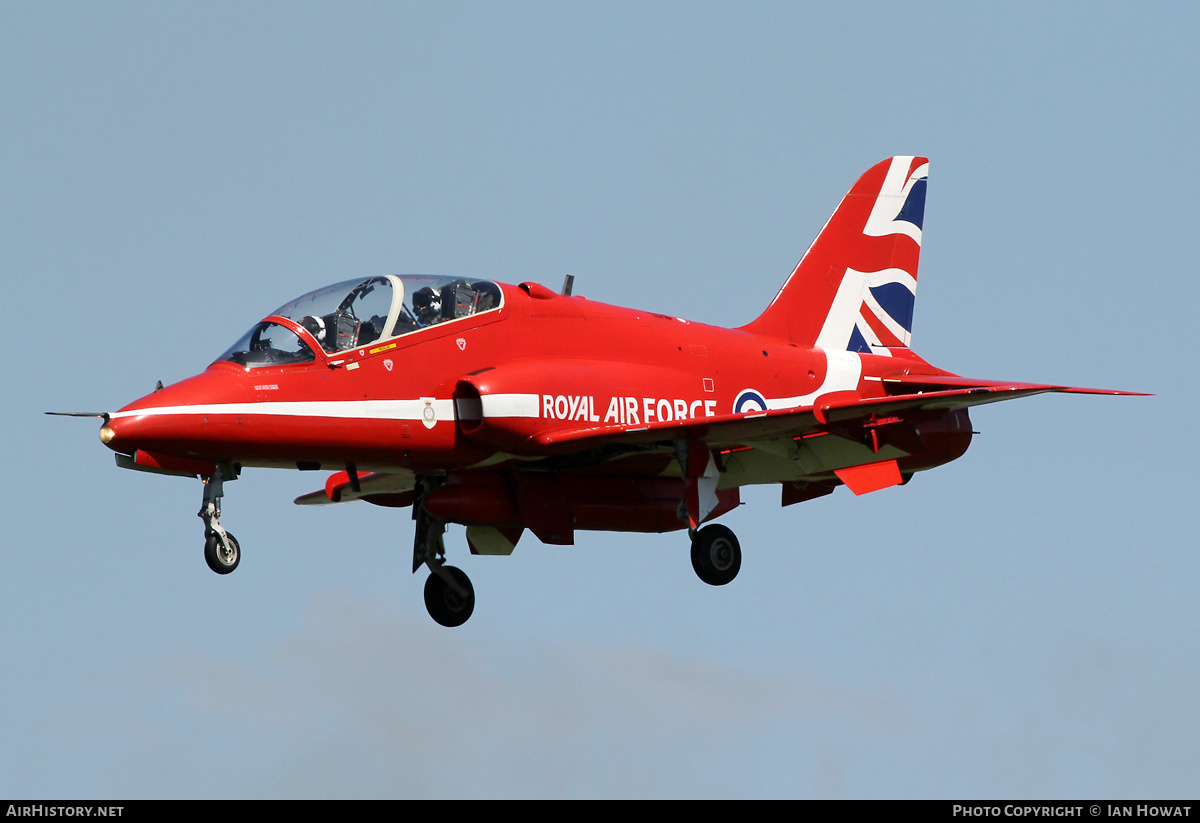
<point>716,555</point>
<point>449,595</point>
<point>221,549</point>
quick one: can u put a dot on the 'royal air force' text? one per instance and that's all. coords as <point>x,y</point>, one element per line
<point>625,411</point>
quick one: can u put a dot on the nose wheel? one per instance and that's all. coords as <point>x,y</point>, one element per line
<point>716,555</point>
<point>222,552</point>
<point>221,549</point>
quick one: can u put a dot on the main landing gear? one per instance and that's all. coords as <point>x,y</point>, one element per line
<point>449,595</point>
<point>221,549</point>
<point>716,555</point>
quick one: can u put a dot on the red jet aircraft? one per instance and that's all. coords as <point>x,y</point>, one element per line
<point>505,408</point>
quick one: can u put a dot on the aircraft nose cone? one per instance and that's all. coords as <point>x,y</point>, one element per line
<point>155,422</point>
<point>122,434</point>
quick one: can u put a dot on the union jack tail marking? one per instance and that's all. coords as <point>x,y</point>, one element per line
<point>855,287</point>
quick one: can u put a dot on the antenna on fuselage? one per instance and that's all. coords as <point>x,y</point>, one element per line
<point>568,283</point>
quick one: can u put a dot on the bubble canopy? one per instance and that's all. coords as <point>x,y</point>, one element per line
<point>360,312</point>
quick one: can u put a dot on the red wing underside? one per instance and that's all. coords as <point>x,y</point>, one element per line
<point>390,489</point>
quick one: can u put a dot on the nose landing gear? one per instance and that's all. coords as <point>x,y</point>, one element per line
<point>221,549</point>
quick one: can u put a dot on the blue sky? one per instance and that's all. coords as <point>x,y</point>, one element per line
<point>1020,623</point>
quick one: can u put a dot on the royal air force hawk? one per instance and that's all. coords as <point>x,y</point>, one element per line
<point>511,408</point>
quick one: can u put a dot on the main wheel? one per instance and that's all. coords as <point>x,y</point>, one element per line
<point>445,605</point>
<point>222,557</point>
<point>716,555</point>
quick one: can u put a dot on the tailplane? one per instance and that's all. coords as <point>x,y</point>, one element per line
<point>855,287</point>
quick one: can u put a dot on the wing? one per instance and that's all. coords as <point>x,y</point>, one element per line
<point>874,466</point>
<point>829,413</point>
<point>944,394</point>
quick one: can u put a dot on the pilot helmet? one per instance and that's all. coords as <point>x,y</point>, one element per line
<point>315,326</point>
<point>427,303</point>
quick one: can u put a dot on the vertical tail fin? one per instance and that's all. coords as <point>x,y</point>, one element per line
<point>855,287</point>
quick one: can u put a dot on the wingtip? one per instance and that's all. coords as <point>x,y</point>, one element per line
<point>1113,392</point>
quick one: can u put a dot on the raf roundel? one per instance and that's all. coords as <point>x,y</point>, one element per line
<point>749,400</point>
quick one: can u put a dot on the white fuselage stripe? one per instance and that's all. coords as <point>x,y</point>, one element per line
<point>511,405</point>
<point>842,373</point>
<point>347,409</point>
<point>497,405</point>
